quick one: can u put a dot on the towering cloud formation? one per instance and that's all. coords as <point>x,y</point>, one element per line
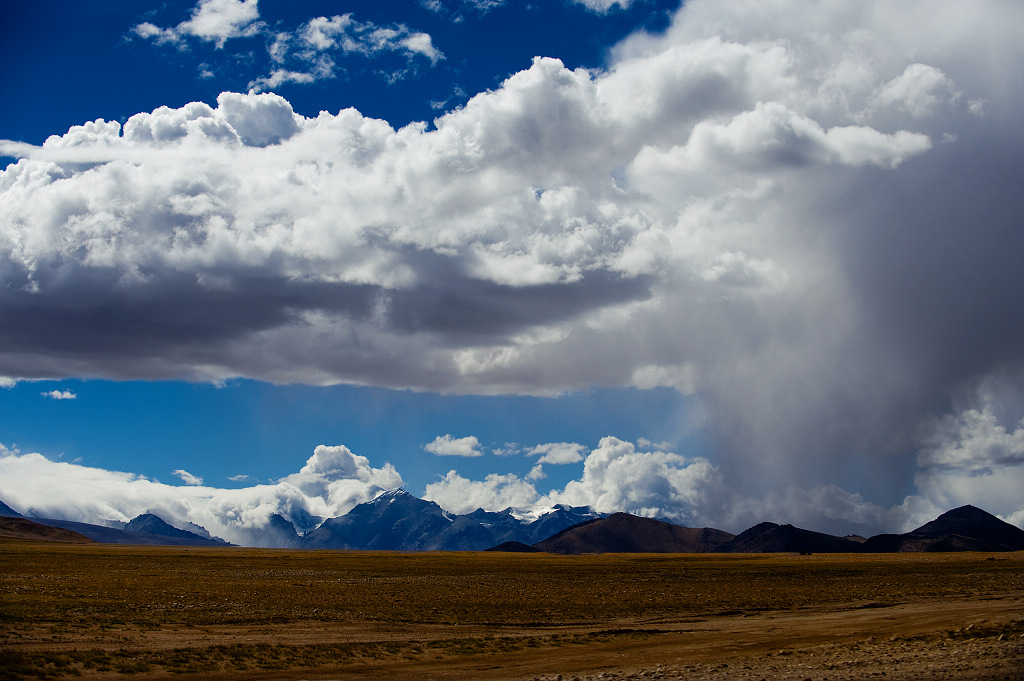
<point>804,213</point>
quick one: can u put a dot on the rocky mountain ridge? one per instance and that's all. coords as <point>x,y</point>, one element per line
<point>399,521</point>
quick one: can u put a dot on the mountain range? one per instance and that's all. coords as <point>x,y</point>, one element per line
<point>399,521</point>
<point>393,521</point>
<point>966,528</point>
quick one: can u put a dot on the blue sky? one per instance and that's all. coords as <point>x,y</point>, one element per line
<point>721,262</point>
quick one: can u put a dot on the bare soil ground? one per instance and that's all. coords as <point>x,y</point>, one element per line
<point>101,611</point>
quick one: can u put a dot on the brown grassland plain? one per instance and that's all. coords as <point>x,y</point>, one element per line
<point>108,611</point>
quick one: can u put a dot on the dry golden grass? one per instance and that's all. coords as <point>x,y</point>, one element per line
<point>56,601</point>
<point>156,586</point>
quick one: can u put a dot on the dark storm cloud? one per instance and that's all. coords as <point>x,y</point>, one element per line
<point>485,311</point>
<point>76,315</point>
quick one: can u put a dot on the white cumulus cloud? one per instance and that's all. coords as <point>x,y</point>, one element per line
<point>446,445</point>
<point>458,9</point>
<point>212,20</point>
<point>495,492</point>
<point>603,6</point>
<point>349,35</point>
<point>617,477</point>
<point>187,477</point>
<point>309,52</point>
<point>558,452</point>
<point>60,395</point>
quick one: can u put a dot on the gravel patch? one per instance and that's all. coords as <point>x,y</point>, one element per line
<point>991,658</point>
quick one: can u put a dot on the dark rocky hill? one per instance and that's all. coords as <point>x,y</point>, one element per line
<point>148,523</point>
<point>625,533</point>
<point>154,525</point>
<point>23,528</point>
<point>514,547</point>
<point>774,538</point>
<point>970,521</point>
<point>966,528</point>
